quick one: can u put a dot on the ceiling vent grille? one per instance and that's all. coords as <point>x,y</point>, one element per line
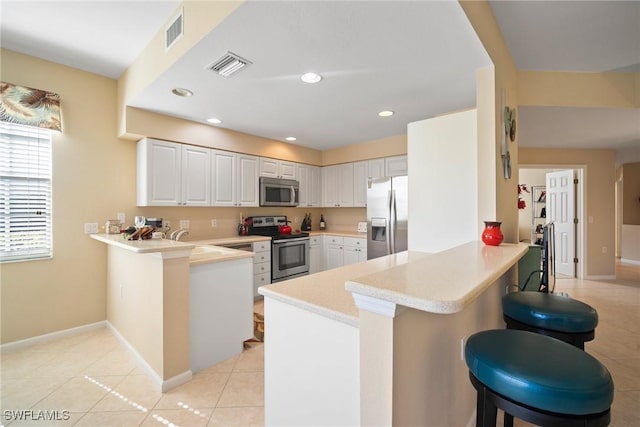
<point>229,64</point>
<point>174,31</point>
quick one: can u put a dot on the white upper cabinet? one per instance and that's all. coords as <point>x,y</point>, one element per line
<point>196,176</point>
<point>360,177</point>
<point>278,168</point>
<point>172,174</point>
<point>376,168</point>
<point>248,191</point>
<point>223,178</point>
<point>396,166</point>
<point>234,179</point>
<point>309,178</point>
<point>337,185</point>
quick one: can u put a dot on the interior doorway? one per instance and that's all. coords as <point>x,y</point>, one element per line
<point>535,177</point>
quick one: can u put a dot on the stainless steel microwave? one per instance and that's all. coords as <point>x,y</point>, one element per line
<point>278,192</point>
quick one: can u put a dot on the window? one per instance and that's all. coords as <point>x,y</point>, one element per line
<point>25,193</point>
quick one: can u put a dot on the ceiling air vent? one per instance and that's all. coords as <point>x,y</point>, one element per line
<point>229,64</point>
<point>174,31</point>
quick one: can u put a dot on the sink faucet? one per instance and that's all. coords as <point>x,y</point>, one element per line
<point>178,234</point>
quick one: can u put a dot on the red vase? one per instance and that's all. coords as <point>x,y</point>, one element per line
<point>492,235</point>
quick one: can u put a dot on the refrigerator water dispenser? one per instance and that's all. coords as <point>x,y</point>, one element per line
<point>379,229</point>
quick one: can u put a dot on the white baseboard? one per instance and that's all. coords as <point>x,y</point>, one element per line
<point>629,261</point>
<point>51,336</point>
<point>603,277</point>
<point>163,385</point>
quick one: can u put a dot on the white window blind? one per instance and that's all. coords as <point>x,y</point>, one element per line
<point>25,193</point>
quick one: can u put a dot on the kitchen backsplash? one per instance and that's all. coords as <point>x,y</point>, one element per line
<point>227,219</point>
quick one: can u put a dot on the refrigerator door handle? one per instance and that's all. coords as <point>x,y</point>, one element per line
<point>388,236</point>
<point>393,221</point>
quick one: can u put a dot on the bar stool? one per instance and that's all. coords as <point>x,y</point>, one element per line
<point>538,379</point>
<point>560,317</point>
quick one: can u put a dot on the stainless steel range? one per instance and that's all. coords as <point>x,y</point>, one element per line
<point>289,251</point>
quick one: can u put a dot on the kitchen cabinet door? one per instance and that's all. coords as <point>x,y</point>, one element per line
<point>315,254</point>
<point>247,169</point>
<point>396,166</point>
<point>334,256</point>
<point>309,179</point>
<point>360,177</point>
<point>196,176</point>
<point>376,168</point>
<point>159,173</point>
<point>337,185</point>
<point>278,168</point>
<point>223,178</point>
<point>345,185</point>
<point>330,177</point>
<point>355,250</point>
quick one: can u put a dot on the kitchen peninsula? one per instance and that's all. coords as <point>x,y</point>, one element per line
<point>381,342</point>
<point>162,294</point>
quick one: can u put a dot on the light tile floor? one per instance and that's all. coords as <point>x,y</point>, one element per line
<point>92,376</point>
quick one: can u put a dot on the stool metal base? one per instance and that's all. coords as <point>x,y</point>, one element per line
<point>489,401</point>
<point>575,339</point>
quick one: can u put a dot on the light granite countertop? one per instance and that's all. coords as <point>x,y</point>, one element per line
<point>442,283</point>
<point>199,252</point>
<point>343,233</point>
<point>324,293</point>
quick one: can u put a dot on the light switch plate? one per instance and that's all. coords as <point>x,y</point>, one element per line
<point>184,223</point>
<point>90,227</point>
<point>362,227</point>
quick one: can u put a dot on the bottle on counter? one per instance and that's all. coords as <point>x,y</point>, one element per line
<point>323,225</point>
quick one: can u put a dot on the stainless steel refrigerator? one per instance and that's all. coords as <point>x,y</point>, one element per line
<point>387,216</point>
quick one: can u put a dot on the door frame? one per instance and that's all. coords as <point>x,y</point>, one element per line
<point>581,209</point>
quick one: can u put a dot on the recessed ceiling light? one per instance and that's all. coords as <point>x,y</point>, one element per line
<point>214,120</point>
<point>311,78</point>
<point>290,138</point>
<point>180,91</point>
<point>386,113</point>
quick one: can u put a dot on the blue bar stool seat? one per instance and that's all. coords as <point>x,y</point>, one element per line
<point>560,317</point>
<point>538,379</point>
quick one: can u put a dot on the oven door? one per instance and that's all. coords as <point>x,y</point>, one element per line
<point>278,192</point>
<point>289,258</point>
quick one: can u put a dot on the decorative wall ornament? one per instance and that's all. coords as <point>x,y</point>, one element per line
<point>28,106</point>
<point>508,133</point>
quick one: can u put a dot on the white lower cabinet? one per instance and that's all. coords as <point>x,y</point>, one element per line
<point>315,254</point>
<point>355,250</point>
<point>333,252</point>
<point>261,265</point>
<point>339,251</point>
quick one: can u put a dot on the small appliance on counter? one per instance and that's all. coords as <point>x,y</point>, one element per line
<point>113,226</point>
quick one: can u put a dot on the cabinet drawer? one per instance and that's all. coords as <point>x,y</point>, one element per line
<point>314,241</point>
<point>260,257</point>
<point>262,246</point>
<point>355,242</point>
<point>261,268</point>
<point>336,240</point>
<point>261,279</point>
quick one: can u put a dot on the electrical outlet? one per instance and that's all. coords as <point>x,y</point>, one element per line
<point>214,222</point>
<point>184,223</point>
<point>604,249</point>
<point>121,217</point>
<point>462,342</point>
<point>90,227</point>
<point>295,220</point>
<point>166,224</point>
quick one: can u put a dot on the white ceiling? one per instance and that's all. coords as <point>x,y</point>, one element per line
<point>416,58</point>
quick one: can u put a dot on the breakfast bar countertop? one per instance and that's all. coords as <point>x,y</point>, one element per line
<point>324,293</point>
<point>442,283</point>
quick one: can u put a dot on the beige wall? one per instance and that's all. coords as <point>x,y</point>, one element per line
<point>93,178</point>
<point>631,193</point>
<point>600,200</point>
<point>497,196</point>
<point>385,147</point>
